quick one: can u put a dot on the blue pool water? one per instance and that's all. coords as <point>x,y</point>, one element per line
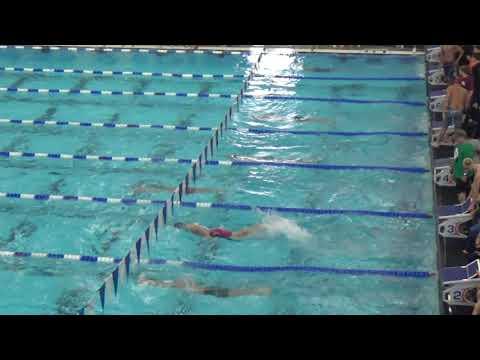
<point>47,286</point>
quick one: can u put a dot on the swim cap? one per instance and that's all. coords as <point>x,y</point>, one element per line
<point>179,225</point>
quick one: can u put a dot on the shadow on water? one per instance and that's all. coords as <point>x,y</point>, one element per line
<point>186,121</point>
<point>48,114</point>
<point>348,90</point>
<point>406,92</point>
<point>115,118</point>
<point>20,81</point>
<point>19,143</point>
<point>142,85</point>
<point>316,69</point>
<point>374,59</point>
<point>24,229</point>
<point>55,188</point>
<point>81,84</point>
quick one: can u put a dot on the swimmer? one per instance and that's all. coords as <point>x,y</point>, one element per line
<point>191,286</point>
<point>267,159</point>
<point>296,118</point>
<point>316,69</point>
<point>208,233</point>
<point>160,188</point>
<point>301,118</point>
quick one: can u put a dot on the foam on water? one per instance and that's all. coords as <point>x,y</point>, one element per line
<point>276,225</point>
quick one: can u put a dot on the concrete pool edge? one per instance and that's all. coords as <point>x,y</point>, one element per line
<point>440,261</point>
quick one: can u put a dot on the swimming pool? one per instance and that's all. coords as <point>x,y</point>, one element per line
<point>338,241</point>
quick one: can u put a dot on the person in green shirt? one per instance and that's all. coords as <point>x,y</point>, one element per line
<point>464,149</point>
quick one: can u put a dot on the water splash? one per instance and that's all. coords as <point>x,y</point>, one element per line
<point>276,225</point>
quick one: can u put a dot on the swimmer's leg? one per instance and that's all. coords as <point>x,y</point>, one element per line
<point>236,235</point>
<point>247,292</point>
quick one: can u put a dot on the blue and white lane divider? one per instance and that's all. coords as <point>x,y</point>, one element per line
<point>115,93</point>
<point>220,267</point>
<point>207,95</point>
<point>204,76</point>
<point>122,73</point>
<point>40,122</point>
<point>163,215</point>
<point>58,156</point>
<point>125,50</point>
<point>226,206</point>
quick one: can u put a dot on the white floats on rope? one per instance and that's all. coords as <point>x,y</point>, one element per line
<point>292,164</point>
<point>204,76</point>
<point>217,267</point>
<point>212,95</point>
<point>204,205</point>
<point>125,49</point>
<point>217,50</point>
<point>115,93</point>
<point>121,73</point>
<point>40,122</point>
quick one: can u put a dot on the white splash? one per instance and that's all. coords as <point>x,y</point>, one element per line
<point>277,225</point>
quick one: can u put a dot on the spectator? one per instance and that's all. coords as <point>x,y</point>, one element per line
<point>463,150</point>
<point>450,56</point>
<point>474,65</point>
<point>472,250</point>
<point>454,106</point>
<point>465,78</point>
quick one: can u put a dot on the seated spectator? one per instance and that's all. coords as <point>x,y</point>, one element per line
<point>450,56</point>
<point>463,150</point>
<point>472,250</point>
<point>472,171</point>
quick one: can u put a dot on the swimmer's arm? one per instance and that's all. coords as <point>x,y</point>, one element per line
<point>198,230</point>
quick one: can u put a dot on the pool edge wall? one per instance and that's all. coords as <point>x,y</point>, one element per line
<point>438,242</point>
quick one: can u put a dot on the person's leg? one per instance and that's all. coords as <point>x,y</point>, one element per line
<point>457,119</point>
<point>247,231</point>
<point>448,70</point>
<point>461,189</point>
<point>445,124</point>
<point>472,236</point>
<point>246,292</point>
